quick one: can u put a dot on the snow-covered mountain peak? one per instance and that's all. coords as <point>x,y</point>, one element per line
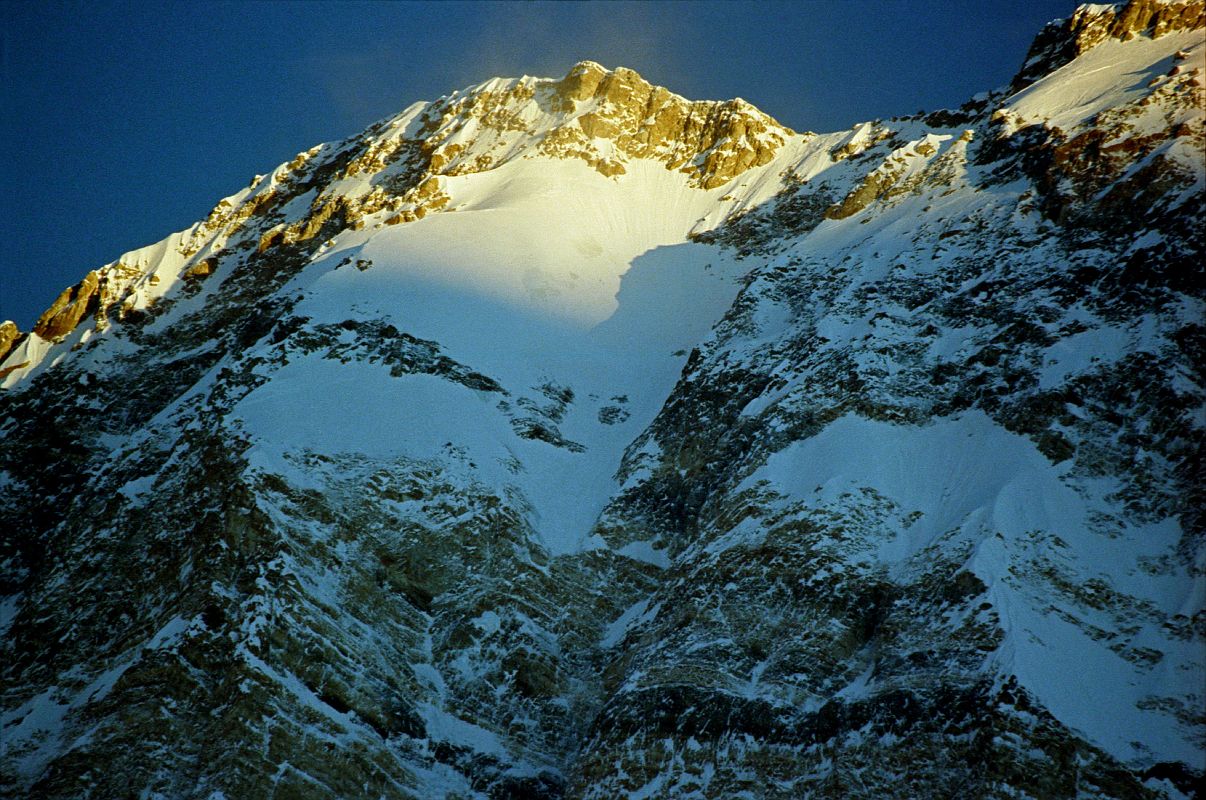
<point>1092,24</point>
<point>568,439</point>
<point>670,167</point>
<point>606,118</point>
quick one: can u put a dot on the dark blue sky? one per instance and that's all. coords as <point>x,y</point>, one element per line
<point>122,122</point>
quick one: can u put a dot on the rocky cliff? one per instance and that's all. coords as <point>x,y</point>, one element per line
<point>570,439</point>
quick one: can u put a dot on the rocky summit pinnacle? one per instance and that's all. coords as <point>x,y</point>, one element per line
<point>567,438</point>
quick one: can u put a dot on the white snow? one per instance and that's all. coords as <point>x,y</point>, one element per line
<point>634,614</point>
<point>551,272</point>
<point>546,272</point>
<point>1112,74</point>
<point>1079,352</point>
<point>975,482</point>
<point>34,731</point>
<point>645,551</point>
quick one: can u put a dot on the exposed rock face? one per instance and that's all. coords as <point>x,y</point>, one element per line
<point>9,334</point>
<point>1065,39</point>
<point>712,142</point>
<point>404,159</point>
<point>912,509</point>
<point>892,178</point>
<point>69,308</point>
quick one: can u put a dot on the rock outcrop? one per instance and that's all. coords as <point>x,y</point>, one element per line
<point>9,334</point>
<point>69,308</point>
<point>712,142</point>
<point>1065,39</point>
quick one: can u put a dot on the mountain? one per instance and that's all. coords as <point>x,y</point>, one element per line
<point>571,439</point>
